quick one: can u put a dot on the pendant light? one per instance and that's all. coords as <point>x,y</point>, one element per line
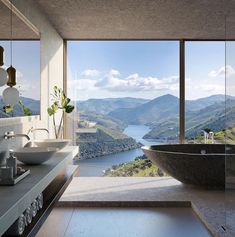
<point>3,73</point>
<point>11,95</point>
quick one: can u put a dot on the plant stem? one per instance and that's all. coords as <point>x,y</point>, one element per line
<point>56,136</point>
<point>61,120</point>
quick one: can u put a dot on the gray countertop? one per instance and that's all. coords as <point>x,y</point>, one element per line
<point>15,199</point>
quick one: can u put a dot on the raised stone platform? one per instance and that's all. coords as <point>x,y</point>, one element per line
<point>216,208</point>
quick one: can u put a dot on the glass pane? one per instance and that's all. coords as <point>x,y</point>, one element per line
<point>230,114</point>
<point>26,61</point>
<point>230,123</point>
<point>205,91</point>
<point>126,95</point>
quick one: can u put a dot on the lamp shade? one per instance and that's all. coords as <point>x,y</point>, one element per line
<point>11,96</point>
<point>3,77</point>
<point>11,76</point>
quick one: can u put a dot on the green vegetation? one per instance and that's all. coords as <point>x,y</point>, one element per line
<point>60,102</point>
<point>140,167</point>
<point>101,119</point>
<point>115,134</point>
<point>103,142</point>
<point>223,136</point>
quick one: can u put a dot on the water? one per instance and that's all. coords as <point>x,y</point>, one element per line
<point>96,166</point>
<point>137,132</point>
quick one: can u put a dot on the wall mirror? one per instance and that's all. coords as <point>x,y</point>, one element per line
<point>20,50</point>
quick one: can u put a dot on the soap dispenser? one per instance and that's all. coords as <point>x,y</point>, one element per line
<point>12,162</point>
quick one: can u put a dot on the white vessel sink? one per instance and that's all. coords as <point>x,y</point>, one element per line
<point>56,143</point>
<point>34,155</point>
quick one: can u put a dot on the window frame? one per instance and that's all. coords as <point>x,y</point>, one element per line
<point>181,75</point>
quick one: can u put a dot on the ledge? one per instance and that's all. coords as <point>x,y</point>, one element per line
<point>215,208</point>
<point>15,199</point>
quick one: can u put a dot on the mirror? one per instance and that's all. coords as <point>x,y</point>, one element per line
<point>23,53</point>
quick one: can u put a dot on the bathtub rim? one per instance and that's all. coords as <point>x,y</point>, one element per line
<point>148,148</point>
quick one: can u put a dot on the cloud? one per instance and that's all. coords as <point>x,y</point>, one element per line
<point>229,70</point>
<point>19,74</point>
<point>134,82</point>
<point>81,84</point>
<point>90,73</point>
<point>30,90</point>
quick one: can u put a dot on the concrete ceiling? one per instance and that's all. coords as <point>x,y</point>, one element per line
<point>19,30</point>
<point>137,19</point>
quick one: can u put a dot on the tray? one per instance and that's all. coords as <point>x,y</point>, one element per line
<point>15,180</point>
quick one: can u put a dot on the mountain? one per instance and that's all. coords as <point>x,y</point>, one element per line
<point>33,105</point>
<point>158,109</point>
<point>192,105</point>
<point>212,116</point>
<point>162,114</point>
<point>105,106</point>
<point>164,107</point>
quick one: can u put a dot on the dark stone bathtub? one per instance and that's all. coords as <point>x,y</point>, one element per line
<point>194,164</point>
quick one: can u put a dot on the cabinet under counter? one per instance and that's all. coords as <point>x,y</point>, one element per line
<point>50,178</point>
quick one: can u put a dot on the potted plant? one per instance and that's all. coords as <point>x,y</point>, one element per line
<point>60,103</point>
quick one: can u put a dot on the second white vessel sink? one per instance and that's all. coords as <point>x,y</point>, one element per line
<point>34,155</point>
<point>56,143</point>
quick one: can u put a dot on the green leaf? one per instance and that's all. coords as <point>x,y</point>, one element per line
<point>65,102</point>
<point>69,108</point>
<point>26,111</point>
<point>50,111</point>
<point>53,109</point>
<point>55,106</point>
<point>8,108</point>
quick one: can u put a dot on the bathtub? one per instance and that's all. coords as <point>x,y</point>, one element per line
<point>194,164</point>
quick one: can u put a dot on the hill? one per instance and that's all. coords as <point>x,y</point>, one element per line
<point>212,116</point>
<point>158,109</point>
<point>103,142</point>
<point>33,105</point>
<point>104,106</point>
<point>161,114</point>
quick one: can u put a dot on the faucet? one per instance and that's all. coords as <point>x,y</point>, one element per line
<point>37,129</point>
<point>211,134</point>
<point>11,134</point>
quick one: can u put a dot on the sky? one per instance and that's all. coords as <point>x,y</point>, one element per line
<point>141,69</point>
<point>26,61</point>
<point>144,69</point>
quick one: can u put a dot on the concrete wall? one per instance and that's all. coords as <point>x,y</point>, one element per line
<point>51,75</point>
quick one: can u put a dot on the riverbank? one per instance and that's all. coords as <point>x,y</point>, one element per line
<point>140,167</point>
<point>96,166</point>
<point>105,141</point>
<point>97,149</point>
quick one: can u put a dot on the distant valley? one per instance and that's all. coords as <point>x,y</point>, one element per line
<point>161,114</point>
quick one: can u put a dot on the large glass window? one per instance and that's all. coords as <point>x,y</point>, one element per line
<point>126,95</point>
<point>205,91</point>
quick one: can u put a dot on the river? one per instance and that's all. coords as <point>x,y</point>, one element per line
<point>94,167</point>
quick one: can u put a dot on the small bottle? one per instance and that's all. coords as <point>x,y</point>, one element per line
<point>12,162</point>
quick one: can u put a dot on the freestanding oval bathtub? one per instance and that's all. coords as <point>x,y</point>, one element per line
<point>195,164</point>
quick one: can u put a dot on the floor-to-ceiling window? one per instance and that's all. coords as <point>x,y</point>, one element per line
<point>126,95</point>
<point>205,91</point>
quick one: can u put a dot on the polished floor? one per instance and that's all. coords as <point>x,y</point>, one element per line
<point>123,222</point>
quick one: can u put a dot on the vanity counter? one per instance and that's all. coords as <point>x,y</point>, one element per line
<point>15,199</point>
